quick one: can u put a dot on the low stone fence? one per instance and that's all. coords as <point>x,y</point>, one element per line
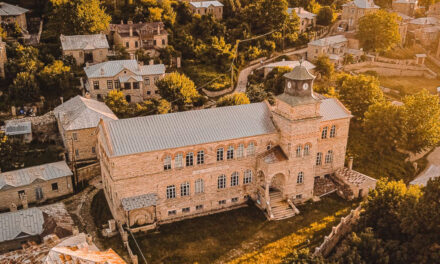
<point>390,69</point>
<point>395,61</point>
<point>44,127</point>
<point>338,232</point>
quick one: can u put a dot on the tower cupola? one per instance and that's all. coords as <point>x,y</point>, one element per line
<point>299,82</point>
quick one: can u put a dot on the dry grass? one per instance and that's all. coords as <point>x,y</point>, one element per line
<point>409,85</point>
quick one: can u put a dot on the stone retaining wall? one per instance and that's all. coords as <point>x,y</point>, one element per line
<point>390,69</point>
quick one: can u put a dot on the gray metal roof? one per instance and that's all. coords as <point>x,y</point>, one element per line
<point>329,40</point>
<point>26,176</point>
<point>431,173</point>
<point>206,4</point>
<point>301,12</point>
<point>24,222</point>
<point>157,132</point>
<point>112,68</point>
<point>331,109</point>
<point>141,201</point>
<point>84,42</point>
<point>79,113</point>
<point>11,10</point>
<point>299,73</point>
<point>424,21</point>
<point>18,128</point>
<point>363,4</point>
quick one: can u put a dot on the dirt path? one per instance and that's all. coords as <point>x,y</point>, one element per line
<point>432,167</point>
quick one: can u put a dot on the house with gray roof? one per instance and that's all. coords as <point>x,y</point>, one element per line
<point>333,45</point>
<point>85,48</point>
<point>407,7</point>
<point>35,184</point>
<point>19,130</point>
<point>13,14</point>
<point>307,20</point>
<point>135,80</point>
<point>207,7</point>
<point>77,119</point>
<point>354,10</point>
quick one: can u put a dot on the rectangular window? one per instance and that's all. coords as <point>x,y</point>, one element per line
<point>329,157</point>
<point>147,81</point>
<point>222,202</point>
<point>230,153</point>
<point>240,151</point>
<point>185,210</point>
<point>163,41</point>
<point>93,150</point>
<point>21,193</point>
<point>167,163</point>
<point>127,44</point>
<point>190,159</point>
<point>324,133</point>
<point>76,152</point>
<point>96,85</point>
<point>299,196</point>
<point>234,200</point>
<point>110,84</point>
<point>220,154</point>
<point>172,212</point>
<point>171,192</point>
<point>148,92</point>
<point>184,189</point>
<point>136,44</point>
<point>298,151</point>
<point>178,161</point>
<point>154,42</point>
<point>318,158</point>
<point>55,186</point>
<point>156,79</point>
<point>200,157</point>
<point>250,149</point>
<point>127,86</point>
<point>221,182</point>
<point>306,150</point>
<point>199,186</point>
<point>135,85</point>
<point>234,179</point>
<point>247,177</point>
<point>333,131</point>
<point>117,85</point>
<point>199,207</point>
<point>75,136</point>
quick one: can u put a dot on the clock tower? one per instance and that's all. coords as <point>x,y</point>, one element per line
<point>299,82</point>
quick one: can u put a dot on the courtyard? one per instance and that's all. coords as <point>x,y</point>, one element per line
<point>408,84</point>
<point>239,236</point>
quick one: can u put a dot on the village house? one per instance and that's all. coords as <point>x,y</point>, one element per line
<point>135,80</point>
<point>13,14</point>
<point>18,130</point>
<point>85,48</point>
<point>35,184</point>
<point>334,47</point>
<point>424,30</point>
<point>150,37</point>
<point>307,20</point>
<point>77,120</point>
<point>207,7</point>
<point>163,168</point>
<point>353,11</point>
<point>407,7</point>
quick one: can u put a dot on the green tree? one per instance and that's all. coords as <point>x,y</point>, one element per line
<point>56,79</point>
<point>274,82</point>
<point>379,31</point>
<point>325,16</point>
<point>7,161</point>
<point>178,90</point>
<point>24,88</point>
<point>256,93</point>
<point>421,120</point>
<point>324,66</point>
<point>116,101</point>
<point>359,92</point>
<point>233,99</point>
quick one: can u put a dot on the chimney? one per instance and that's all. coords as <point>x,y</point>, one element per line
<point>75,231</point>
<point>62,100</point>
<point>102,71</point>
<point>151,62</point>
<point>24,201</point>
<point>141,63</point>
<point>131,31</point>
<point>130,22</point>
<point>87,64</point>
<point>89,239</point>
<point>13,207</point>
<point>122,22</point>
<point>350,163</point>
<point>87,95</point>
<point>132,56</point>
<point>158,29</point>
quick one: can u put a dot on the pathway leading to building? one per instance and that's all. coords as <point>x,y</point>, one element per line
<point>432,168</point>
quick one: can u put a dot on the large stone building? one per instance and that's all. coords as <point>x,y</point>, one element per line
<point>136,81</point>
<point>307,20</point>
<point>207,7</point>
<point>135,36</point>
<point>85,48</point>
<point>77,120</point>
<point>353,11</point>
<point>13,14</point>
<point>163,168</point>
<point>407,7</point>
<point>334,47</point>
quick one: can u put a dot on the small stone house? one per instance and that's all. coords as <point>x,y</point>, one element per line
<point>35,184</point>
<point>207,7</point>
<point>354,10</point>
<point>134,36</point>
<point>307,20</point>
<point>334,47</point>
<point>13,14</point>
<point>135,80</point>
<point>77,119</point>
<point>19,130</point>
<point>407,7</point>
<point>85,48</point>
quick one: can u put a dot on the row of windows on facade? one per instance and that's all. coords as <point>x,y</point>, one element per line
<point>126,85</point>
<point>136,43</point>
<point>200,186</point>
<point>328,157</point>
<point>332,133</point>
<point>39,191</point>
<point>231,153</point>
<point>200,206</point>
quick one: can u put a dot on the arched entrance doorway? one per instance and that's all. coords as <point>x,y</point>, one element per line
<point>277,183</point>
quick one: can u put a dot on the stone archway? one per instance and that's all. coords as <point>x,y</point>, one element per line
<point>277,183</point>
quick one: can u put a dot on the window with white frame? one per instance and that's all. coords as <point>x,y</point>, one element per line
<point>222,202</point>
<point>184,189</point>
<point>230,153</point>
<point>250,149</point>
<point>247,177</point>
<point>200,157</point>
<point>178,160</point>
<point>199,187</point>
<point>306,149</point>
<point>199,207</point>
<point>333,131</point>
<point>318,158</point>
<point>189,159</point>
<point>234,178</point>
<point>324,133</point>
<point>234,200</point>
<point>300,178</point>
<point>220,154</point>
<point>171,192</point>
<point>221,182</point>
<point>240,151</point>
<point>298,151</point>
<point>329,157</point>
<point>167,163</point>
<point>186,210</point>
<point>172,212</point>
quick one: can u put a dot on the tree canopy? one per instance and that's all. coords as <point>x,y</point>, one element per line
<point>178,89</point>
<point>325,16</point>
<point>233,99</point>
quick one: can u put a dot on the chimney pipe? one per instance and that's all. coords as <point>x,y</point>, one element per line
<point>131,31</point>
<point>151,62</point>
<point>87,95</point>
<point>62,100</point>
<point>89,239</point>
<point>350,163</point>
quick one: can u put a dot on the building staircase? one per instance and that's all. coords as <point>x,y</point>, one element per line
<point>280,208</point>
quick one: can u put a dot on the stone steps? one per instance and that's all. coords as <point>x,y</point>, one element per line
<point>280,209</point>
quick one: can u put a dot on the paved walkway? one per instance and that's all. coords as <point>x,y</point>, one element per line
<point>432,168</point>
